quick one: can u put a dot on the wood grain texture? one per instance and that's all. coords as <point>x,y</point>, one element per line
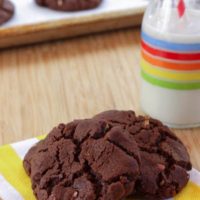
<point>46,84</point>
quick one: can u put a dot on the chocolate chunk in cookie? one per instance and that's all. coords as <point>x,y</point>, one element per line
<point>164,158</point>
<point>85,159</point>
<point>69,5</point>
<point>6,11</point>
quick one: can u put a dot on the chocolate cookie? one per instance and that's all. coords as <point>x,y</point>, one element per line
<point>84,160</point>
<point>69,5</point>
<point>6,11</point>
<point>164,158</point>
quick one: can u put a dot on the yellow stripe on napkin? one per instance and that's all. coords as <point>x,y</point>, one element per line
<point>190,192</point>
<point>12,170</point>
<point>41,137</point>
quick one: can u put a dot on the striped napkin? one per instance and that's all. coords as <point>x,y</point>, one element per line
<point>16,185</point>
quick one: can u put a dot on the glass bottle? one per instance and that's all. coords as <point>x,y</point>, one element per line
<point>170,62</point>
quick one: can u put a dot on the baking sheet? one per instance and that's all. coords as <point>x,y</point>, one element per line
<point>27,12</point>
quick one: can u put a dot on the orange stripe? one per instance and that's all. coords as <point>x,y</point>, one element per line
<point>170,65</point>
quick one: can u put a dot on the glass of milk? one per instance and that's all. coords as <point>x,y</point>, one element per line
<point>170,62</point>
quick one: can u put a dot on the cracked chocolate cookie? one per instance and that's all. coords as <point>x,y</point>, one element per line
<point>164,158</point>
<point>69,5</point>
<point>84,160</point>
<point>6,11</point>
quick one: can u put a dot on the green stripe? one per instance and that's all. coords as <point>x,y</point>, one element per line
<point>170,85</point>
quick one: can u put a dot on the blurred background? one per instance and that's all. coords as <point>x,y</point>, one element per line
<point>59,66</point>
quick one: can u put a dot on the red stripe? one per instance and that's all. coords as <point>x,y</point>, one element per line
<point>171,55</point>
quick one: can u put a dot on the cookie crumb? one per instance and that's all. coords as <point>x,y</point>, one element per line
<point>52,197</point>
<point>161,167</point>
<point>60,2</point>
<point>162,183</point>
<point>75,194</point>
<point>146,121</point>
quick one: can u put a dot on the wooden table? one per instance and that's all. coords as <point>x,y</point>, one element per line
<point>45,84</point>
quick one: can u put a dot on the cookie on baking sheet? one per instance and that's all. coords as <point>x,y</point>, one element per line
<point>84,160</point>
<point>69,5</point>
<point>164,158</point>
<point>6,11</point>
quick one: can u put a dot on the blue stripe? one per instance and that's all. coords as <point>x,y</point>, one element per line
<point>169,45</point>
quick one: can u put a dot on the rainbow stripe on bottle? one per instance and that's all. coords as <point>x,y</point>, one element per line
<point>170,65</point>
